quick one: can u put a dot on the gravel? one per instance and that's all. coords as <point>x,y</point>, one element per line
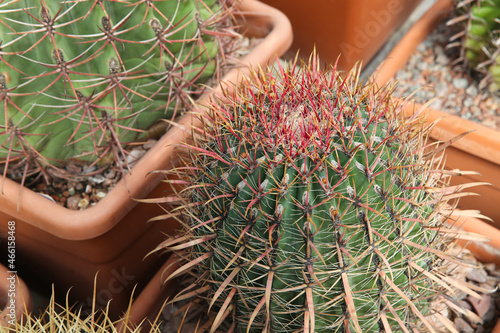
<point>431,74</point>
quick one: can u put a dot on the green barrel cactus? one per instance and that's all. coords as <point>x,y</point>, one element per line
<point>480,25</point>
<point>311,204</point>
<point>81,79</point>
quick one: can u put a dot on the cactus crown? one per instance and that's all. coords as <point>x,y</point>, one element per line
<point>479,32</point>
<point>311,204</point>
<point>79,80</point>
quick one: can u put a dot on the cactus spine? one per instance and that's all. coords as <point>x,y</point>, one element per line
<point>312,205</point>
<point>80,79</point>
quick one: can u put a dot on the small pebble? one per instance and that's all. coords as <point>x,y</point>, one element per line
<point>100,195</point>
<point>82,204</point>
<point>472,90</point>
<point>477,275</point>
<point>422,66</point>
<point>97,179</point>
<point>460,83</point>
<point>441,89</point>
<point>468,102</point>
<point>421,48</point>
<point>442,59</point>
<point>462,326</point>
<point>481,306</point>
<point>72,201</point>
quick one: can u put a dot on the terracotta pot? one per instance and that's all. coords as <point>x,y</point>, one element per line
<point>68,248</point>
<point>147,306</point>
<point>354,29</point>
<point>15,297</point>
<point>478,151</point>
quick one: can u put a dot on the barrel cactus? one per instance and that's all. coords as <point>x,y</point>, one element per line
<point>479,38</point>
<point>81,79</point>
<point>311,204</point>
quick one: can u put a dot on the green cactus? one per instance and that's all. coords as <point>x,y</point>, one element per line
<point>311,204</point>
<point>480,20</point>
<point>80,79</point>
<point>70,319</point>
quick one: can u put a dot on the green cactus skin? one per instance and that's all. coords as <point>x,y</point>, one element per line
<point>480,42</point>
<point>79,79</point>
<point>311,206</point>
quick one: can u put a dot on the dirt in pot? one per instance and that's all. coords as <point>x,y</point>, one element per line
<point>81,192</point>
<point>432,73</point>
<point>487,309</point>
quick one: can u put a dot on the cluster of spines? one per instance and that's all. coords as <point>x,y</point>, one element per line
<point>80,80</point>
<point>298,220</point>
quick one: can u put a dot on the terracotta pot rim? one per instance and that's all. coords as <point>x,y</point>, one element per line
<point>483,141</point>
<point>97,220</point>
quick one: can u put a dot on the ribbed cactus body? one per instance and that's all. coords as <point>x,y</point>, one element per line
<point>483,25</point>
<point>310,209</point>
<point>481,33</point>
<point>79,77</point>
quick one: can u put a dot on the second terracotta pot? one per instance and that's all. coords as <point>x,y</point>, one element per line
<point>354,30</point>
<point>479,150</point>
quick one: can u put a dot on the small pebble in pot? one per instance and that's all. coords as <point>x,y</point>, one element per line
<point>83,203</point>
<point>100,195</point>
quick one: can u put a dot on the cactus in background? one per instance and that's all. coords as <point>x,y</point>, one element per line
<point>479,38</point>
<point>311,204</point>
<point>80,79</point>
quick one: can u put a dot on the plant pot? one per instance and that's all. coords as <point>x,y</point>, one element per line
<point>354,29</point>
<point>68,248</point>
<point>478,151</point>
<point>147,305</point>
<point>15,297</point>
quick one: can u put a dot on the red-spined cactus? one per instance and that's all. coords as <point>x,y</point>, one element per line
<point>81,79</point>
<point>311,204</point>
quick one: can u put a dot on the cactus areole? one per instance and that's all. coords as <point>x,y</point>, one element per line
<point>80,79</point>
<point>312,206</point>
